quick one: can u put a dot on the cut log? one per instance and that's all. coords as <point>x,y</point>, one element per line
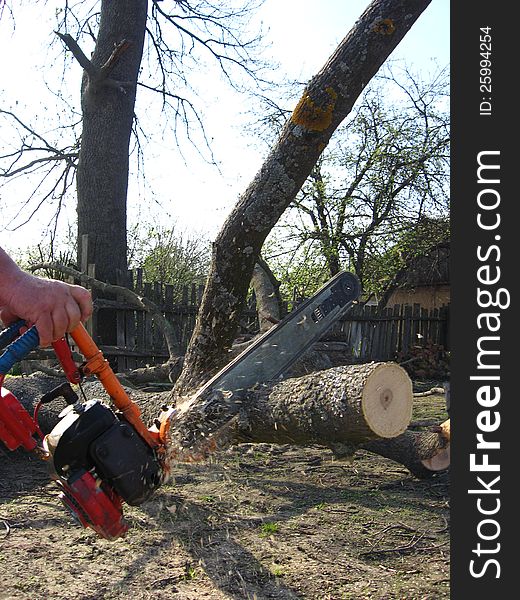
<point>348,404</point>
<point>422,453</point>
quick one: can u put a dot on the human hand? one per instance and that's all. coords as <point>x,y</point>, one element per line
<point>54,307</point>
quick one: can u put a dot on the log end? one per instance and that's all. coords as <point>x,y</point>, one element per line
<point>387,400</point>
<point>440,461</point>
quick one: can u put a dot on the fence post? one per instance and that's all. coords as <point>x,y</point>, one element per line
<point>121,341</point>
<point>407,329</point>
<point>130,321</point>
<point>394,329</point>
<point>425,325</point>
<point>445,326</point>
<point>416,324</point>
<point>92,322</point>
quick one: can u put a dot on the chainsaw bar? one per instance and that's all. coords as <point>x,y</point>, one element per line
<point>269,357</point>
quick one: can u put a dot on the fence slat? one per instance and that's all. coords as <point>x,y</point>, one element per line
<point>130,321</point>
<point>121,325</point>
<point>407,329</point>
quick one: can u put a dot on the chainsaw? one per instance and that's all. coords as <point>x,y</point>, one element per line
<point>103,456</point>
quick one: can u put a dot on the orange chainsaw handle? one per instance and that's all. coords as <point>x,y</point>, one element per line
<point>96,364</point>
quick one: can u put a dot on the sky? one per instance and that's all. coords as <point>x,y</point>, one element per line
<point>189,191</point>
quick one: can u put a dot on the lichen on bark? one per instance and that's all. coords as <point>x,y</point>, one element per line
<point>315,115</point>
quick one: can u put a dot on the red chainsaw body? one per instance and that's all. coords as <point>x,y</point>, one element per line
<point>101,457</point>
<point>94,505</point>
<point>17,427</point>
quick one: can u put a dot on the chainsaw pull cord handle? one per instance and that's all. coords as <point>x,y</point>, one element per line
<point>97,365</point>
<point>19,349</point>
<point>9,334</point>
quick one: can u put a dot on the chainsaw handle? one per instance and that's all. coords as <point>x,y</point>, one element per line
<point>96,364</point>
<point>19,349</point>
<point>9,334</point>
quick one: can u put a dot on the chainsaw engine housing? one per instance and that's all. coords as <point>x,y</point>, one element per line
<point>90,436</point>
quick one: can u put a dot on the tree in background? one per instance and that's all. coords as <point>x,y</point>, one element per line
<point>413,249</point>
<point>169,256</point>
<point>125,48</point>
<point>383,185</point>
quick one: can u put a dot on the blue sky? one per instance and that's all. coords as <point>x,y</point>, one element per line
<point>306,32</point>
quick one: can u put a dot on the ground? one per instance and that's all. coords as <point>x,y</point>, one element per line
<point>256,522</point>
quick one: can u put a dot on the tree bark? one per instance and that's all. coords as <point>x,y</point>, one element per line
<point>326,101</point>
<point>107,98</point>
<point>267,297</point>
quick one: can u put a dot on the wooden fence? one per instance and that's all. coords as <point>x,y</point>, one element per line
<point>362,333</point>
<point>138,339</point>
<point>367,335</point>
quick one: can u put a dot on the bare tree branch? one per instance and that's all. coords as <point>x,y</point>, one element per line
<point>73,46</point>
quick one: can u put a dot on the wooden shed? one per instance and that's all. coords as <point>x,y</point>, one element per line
<point>428,282</point>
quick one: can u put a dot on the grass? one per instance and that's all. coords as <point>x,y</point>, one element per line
<point>190,572</point>
<point>267,529</point>
<point>207,498</point>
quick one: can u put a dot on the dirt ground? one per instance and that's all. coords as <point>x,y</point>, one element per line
<point>257,522</point>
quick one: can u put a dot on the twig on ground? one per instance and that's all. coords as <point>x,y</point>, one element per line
<point>7,528</point>
<point>409,546</point>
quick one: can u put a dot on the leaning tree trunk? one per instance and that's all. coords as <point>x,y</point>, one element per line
<point>326,101</point>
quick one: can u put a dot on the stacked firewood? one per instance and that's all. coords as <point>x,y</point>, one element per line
<point>429,361</point>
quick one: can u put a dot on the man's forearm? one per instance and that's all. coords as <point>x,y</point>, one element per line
<point>9,272</point>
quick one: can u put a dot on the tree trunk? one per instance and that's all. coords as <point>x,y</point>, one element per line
<point>342,405</point>
<point>267,297</point>
<point>326,101</point>
<point>107,98</point>
<point>422,453</point>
